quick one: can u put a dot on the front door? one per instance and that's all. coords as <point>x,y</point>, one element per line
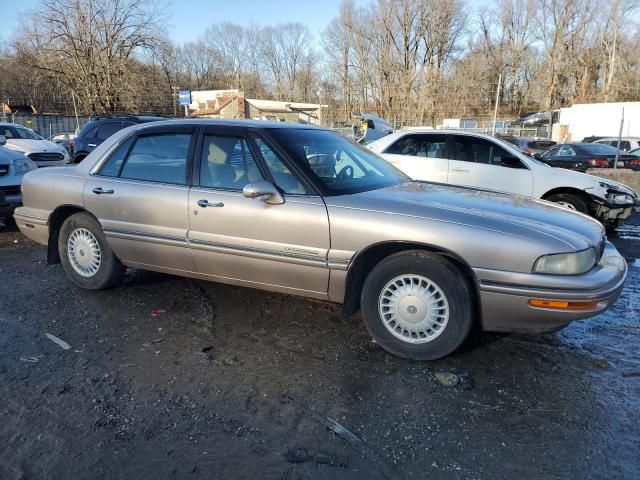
<point>478,162</point>
<point>244,241</point>
<point>140,197</point>
<point>422,156</point>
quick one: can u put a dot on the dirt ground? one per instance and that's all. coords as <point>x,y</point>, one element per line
<point>175,378</point>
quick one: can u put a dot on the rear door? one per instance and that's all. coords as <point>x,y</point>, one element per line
<point>246,241</point>
<point>422,156</point>
<point>140,196</point>
<point>481,163</point>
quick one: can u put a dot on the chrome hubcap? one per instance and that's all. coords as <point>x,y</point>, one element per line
<point>413,308</point>
<point>83,251</point>
<point>568,205</point>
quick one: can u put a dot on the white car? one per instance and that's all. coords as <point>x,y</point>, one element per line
<point>626,143</point>
<point>482,161</point>
<point>43,152</point>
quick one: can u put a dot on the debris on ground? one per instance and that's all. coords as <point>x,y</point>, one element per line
<point>61,343</point>
<point>302,455</point>
<point>29,359</point>
<point>631,373</point>
<point>461,380</point>
<point>465,381</point>
<point>447,379</point>
<point>600,363</point>
<point>156,312</point>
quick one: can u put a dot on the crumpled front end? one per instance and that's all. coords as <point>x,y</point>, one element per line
<point>613,203</point>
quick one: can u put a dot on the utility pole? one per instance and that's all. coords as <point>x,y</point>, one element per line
<point>615,161</point>
<point>174,97</point>
<point>495,111</point>
<point>75,109</point>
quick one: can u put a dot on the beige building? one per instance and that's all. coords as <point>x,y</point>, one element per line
<point>231,104</point>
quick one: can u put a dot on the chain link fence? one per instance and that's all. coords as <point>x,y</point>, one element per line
<point>47,125</point>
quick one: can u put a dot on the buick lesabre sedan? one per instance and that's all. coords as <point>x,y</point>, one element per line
<point>302,210</point>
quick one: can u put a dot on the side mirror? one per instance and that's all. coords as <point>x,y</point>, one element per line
<point>265,190</point>
<point>511,162</point>
<point>3,140</point>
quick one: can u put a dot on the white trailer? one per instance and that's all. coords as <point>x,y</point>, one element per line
<point>597,119</point>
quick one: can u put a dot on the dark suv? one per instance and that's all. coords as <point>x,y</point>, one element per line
<point>99,129</point>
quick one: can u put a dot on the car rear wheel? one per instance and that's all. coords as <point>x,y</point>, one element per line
<point>570,201</point>
<point>85,254</point>
<point>417,305</point>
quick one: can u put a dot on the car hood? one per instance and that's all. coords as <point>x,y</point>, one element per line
<point>8,156</point>
<point>511,214</point>
<point>24,145</point>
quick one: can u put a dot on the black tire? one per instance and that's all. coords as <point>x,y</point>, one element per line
<point>452,284</point>
<point>110,270</point>
<point>568,198</point>
<point>78,158</point>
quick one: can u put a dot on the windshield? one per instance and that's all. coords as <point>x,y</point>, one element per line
<point>336,164</point>
<point>18,132</point>
<point>600,149</point>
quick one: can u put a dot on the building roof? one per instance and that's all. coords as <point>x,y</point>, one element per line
<point>283,107</point>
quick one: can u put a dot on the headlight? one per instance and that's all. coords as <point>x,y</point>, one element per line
<point>24,165</point>
<point>566,263</point>
<point>621,198</point>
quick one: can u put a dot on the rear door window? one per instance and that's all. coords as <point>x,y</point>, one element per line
<point>111,168</point>
<point>159,157</point>
<point>427,146</point>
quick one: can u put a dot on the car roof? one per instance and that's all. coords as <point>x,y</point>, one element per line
<point>147,118</point>
<point>233,123</point>
<point>609,139</point>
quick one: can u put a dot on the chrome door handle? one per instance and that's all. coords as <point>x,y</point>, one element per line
<point>100,191</point>
<point>463,170</point>
<point>206,203</point>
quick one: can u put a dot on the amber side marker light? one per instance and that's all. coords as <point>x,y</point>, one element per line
<point>562,304</point>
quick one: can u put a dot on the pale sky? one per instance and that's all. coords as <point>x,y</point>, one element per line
<point>190,18</point>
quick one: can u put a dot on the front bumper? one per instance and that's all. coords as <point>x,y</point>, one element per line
<point>8,203</point>
<point>505,296</point>
<point>614,214</point>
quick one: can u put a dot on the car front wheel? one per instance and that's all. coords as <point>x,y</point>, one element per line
<point>570,201</point>
<point>417,305</point>
<point>85,254</point>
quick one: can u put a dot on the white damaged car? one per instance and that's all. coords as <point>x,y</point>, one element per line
<point>482,161</point>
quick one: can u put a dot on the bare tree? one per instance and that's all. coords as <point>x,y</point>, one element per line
<point>88,44</point>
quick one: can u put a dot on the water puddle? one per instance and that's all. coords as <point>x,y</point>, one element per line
<point>629,232</point>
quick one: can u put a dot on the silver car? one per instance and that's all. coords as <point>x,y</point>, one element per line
<point>13,167</point>
<point>303,210</point>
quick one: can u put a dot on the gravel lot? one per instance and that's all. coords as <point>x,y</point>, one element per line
<point>176,378</point>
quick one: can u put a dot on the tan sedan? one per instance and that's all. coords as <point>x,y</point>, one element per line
<point>302,210</point>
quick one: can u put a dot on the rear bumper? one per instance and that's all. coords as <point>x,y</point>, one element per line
<point>504,296</point>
